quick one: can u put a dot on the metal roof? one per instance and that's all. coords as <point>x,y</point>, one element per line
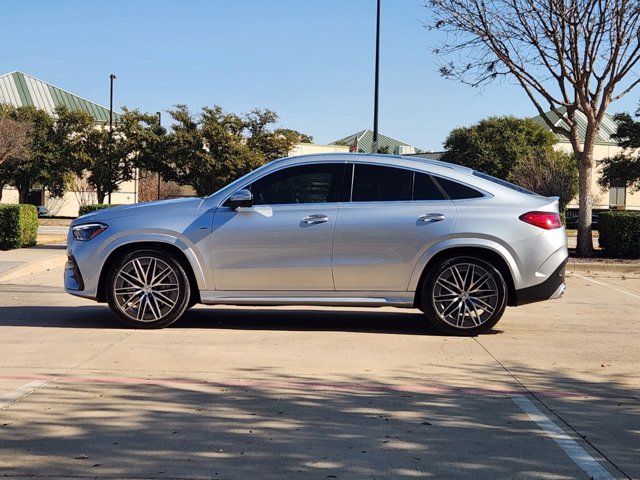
<point>364,139</point>
<point>19,89</point>
<point>607,128</point>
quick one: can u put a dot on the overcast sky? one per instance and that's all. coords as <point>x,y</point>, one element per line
<point>309,60</point>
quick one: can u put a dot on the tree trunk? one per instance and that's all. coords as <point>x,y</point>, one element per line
<point>585,172</point>
<point>22,195</point>
<point>100,195</point>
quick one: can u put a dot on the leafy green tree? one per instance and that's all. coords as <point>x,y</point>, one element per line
<point>294,136</point>
<point>212,149</point>
<point>624,168</point>
<point>495,144</point>
<point>51,152</point>
<point>112,158</point>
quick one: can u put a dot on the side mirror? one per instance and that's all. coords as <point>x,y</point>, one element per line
<point>240,198</point>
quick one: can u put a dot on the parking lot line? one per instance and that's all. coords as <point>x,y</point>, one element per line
<point>575,452</point>
<point>20,392</point>
<point>606,284</point>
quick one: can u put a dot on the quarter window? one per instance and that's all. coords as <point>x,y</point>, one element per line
<point>320,183</point>
<point>458,191</point>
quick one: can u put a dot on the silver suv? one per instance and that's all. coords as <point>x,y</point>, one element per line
<point>337,229</point>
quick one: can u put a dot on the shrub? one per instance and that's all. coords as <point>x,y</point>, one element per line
<point>84,209</point>
<point>620,233</point>
<point>18,226</point>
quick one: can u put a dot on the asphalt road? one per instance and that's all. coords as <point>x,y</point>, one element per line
<point>248,393</point>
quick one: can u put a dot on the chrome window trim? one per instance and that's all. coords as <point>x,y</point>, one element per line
<point>363,162</point>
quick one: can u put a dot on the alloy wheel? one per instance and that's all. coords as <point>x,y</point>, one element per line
<point>465,295</point>
<point>146,289</point>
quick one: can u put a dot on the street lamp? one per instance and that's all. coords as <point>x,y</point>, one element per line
<point>112,77</point>
<point>374,144</point>
<point>159,124</point>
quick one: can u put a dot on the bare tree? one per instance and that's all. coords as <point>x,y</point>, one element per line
<point>148,188</point>
<point>551,173</point>
<point>14,139</point>
<point>572,57</point>
<point>84,192</point>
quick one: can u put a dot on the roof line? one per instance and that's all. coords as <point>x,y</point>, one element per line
<point>62,89</point>
<point>364,132</point>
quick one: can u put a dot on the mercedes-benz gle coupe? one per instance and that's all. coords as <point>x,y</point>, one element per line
<point>335,229</point>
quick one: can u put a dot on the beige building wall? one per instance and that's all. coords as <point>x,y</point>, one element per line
<point>312,148</point>
<point>604,199</point>
<point>69,203</point>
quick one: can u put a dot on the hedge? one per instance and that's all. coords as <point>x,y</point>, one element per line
<point>84,209</point>
<point>620,233</point>
<point>18,226</point>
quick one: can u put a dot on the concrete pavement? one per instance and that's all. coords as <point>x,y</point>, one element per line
<point>33,260</point>
<point>320,393</point>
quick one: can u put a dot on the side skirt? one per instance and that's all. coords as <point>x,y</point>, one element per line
<point>319,298</point>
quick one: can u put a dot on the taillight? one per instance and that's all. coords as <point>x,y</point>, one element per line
<point>546,220</point>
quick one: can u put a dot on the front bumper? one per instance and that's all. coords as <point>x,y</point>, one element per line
<point>73,281</point>
<point>552,287</point>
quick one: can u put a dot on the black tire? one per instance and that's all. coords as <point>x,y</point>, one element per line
<point>164,306</point>
<point>476,310</point>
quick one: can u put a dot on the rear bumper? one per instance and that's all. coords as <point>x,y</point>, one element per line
<point>552,287</point>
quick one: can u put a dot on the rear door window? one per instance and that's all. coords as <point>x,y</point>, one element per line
<point>375,183</point>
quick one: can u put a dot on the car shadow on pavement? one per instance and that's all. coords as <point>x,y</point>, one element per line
<point>404,322</point>
<point>299,426</point>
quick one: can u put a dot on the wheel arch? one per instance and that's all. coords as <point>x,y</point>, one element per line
<point>165,247</point>
<point>482,252</point>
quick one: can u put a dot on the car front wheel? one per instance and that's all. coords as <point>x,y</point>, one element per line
<point>464,295</point>
<point>148,289</point>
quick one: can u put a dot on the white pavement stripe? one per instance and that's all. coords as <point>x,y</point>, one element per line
<point>605,284</point>
<point>575,452</point>
<point>20,392</point>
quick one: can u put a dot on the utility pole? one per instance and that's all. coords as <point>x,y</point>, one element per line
<point>374,145</point>
<point>159,124</point>
<point>112,77</point>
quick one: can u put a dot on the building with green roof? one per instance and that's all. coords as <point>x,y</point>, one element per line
<point>363,140</point>
<point>617,196</point>
<point>607,129</point>
<point>19,89</point>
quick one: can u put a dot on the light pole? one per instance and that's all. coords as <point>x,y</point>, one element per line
<point>374,145</point>
<point>159,124</point>
<point>112,77</point>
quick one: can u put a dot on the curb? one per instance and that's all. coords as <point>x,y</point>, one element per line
<point>37,266</point>
<point>584,267</point>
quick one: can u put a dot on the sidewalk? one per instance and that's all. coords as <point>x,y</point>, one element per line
<point>26,261</point>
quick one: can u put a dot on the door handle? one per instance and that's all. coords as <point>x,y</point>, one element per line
<point>431,217</point>
<point>316,218</point>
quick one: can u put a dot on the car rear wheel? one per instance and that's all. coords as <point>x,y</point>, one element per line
<point>464,295</point>
<point>148,289</point>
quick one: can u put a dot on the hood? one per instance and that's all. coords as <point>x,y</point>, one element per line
<point>145,208</point>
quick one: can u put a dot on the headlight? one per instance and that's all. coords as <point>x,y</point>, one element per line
<point>88,231</point>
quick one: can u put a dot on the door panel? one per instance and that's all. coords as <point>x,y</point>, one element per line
<point>377,245</point>
<point>394,215</point>
<point>280,247</point>
<point>284,241</point>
